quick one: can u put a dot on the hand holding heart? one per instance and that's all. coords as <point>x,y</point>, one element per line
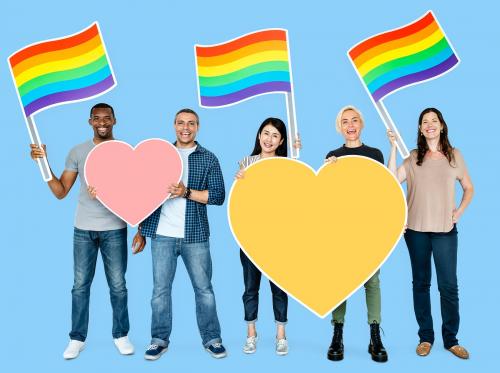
<point>176,190</point>
<point>133,182</point>
<point>318,247</point>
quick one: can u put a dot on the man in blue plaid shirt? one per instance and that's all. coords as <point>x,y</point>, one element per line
<point>180,227</point>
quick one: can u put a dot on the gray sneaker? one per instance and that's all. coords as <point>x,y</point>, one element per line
<point>250,345</point>
<point>281,346</point>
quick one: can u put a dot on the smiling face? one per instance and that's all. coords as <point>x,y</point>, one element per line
<point>186,127</point>
<point>430,126</point>
<point>270,139</point>
<point>351,125</point>
<point>102,121</point>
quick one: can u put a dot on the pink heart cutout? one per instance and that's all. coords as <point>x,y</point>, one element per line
<point>132,182</point>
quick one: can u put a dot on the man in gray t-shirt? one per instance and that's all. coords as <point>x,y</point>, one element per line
<point>95,228</point>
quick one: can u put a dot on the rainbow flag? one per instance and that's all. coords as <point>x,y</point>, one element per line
<point>250,65</point>
<point>61,70</point>
<point>405,56</point>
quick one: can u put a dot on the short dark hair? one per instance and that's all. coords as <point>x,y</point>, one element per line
<point>189,111</point>
<point>102,105</point>
<point>282,150</point>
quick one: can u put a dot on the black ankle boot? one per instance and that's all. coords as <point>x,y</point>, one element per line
<point>376,348</point>
<point>336,349</point>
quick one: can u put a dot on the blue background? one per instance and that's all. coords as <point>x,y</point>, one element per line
<point>150,45</point>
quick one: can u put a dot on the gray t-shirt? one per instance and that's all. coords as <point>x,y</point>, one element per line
<point>91,214</point>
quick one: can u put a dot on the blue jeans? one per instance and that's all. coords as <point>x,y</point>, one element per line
<point>443,247</point>
<point>113,245</point>
<point>251,278</point>
<point>196,257</point>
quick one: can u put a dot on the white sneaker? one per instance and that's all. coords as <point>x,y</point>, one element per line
<point>281,346</point>
<point>250,345</point>
<point>124,345</point>
<point>73,349</point>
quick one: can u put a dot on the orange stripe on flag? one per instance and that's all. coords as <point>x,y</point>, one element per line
<point>54,45</point>
<point>391,35</point>
<point>58,55</point>
<point>240,43</point>
<point>396,44</point>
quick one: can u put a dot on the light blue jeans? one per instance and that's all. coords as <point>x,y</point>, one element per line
<point>113,246</point>
<point>196,258</point>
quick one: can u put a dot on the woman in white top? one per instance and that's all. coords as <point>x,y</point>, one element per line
<point>271,141</point>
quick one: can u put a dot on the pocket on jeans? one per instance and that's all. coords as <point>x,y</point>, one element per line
<point>80,234</point>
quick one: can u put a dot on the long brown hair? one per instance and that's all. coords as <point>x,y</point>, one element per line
<point>444,144</point>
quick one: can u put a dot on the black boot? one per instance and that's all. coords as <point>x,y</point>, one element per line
<point>376,348</point>
<point>336,349</point>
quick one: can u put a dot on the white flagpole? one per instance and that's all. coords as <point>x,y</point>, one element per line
<point>290,109</point>
<point>389,124</point>
<point>35,139</point>
<point>292,124</point>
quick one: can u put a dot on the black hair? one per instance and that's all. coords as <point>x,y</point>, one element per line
<point>102,105</point>
<point>282,150</point>
<point>444,143</point>
<point>189,111</point>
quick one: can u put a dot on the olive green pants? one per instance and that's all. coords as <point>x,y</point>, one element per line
<point>372,293</point>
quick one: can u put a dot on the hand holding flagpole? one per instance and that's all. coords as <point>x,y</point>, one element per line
<point>35,139</point>
<point>58,71</point>
<point>389,124</point>
<point>290,108</point>
<point>292,125</point>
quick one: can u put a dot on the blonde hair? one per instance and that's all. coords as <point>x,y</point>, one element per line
<point>338,124</point>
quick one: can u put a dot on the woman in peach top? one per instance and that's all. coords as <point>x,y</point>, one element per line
<point>431,172</point>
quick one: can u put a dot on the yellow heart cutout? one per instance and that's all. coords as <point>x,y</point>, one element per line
<point>320,235</point>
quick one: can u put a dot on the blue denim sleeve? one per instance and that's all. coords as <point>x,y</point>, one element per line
<point>216,190</point>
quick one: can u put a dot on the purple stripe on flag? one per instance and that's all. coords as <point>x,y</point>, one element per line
<point>415,77</point>
<point>246,93</point>
<point>73,95</point>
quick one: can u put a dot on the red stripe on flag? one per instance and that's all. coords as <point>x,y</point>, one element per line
<point>391,35</point>
<point>54,45</point>
<point>210,51</point>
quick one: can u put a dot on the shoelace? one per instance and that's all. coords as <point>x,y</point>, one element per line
<point>152,347</point>
<point>281,342</point>
<point>217,345</point>
<point>375,334</point>
<point>337,335</point>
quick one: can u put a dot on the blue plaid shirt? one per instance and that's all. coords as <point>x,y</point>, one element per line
<point>204,173</point>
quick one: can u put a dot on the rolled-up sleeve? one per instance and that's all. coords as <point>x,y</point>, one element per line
<point>216,189</point>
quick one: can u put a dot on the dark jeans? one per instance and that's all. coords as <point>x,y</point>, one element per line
<point>113,245</point>
<point>251,277</point>
<point>443,247</point>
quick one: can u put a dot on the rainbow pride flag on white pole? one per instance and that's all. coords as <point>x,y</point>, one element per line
<point>59,71</point>
<point>251,65</point>
<point>395,59</point>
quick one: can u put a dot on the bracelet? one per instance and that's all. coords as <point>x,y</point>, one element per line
<point>187,193</point>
